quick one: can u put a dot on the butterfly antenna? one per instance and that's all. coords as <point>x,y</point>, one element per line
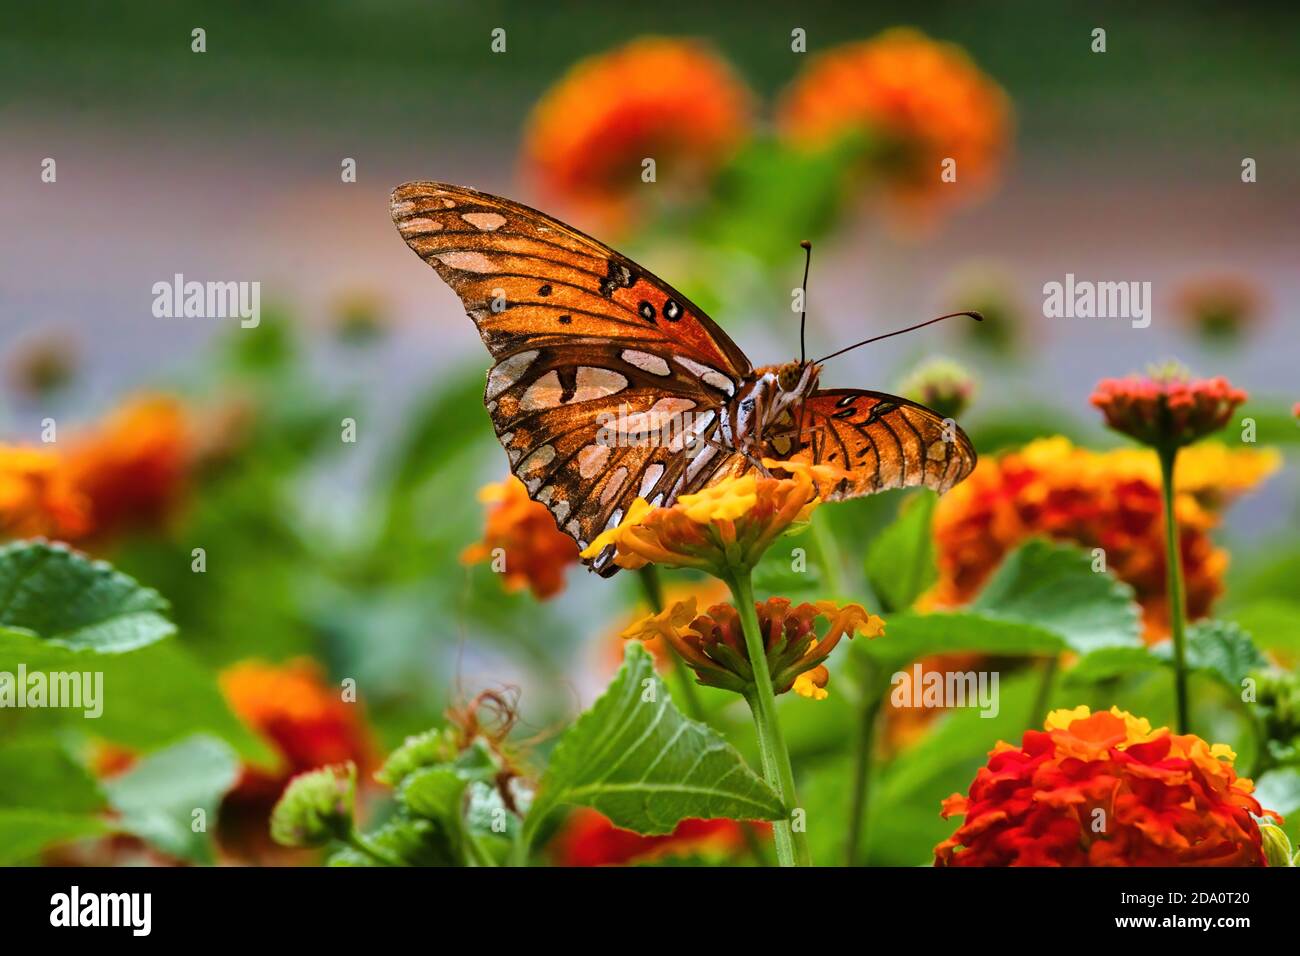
<point>807,262</point>
<point>911,328</point>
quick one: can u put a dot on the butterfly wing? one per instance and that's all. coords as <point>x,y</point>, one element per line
<point>881,440</point>
<point>591,352</point>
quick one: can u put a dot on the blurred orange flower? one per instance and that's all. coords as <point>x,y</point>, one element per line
<point>307,724</point>
<point>1105,789</point>
<point>134,466</point>
<point>533,551</point>
<point>38,497</point>
<point>1108,500</point>
<point>588,838</point>
<point>671,100</point>
<point>919,100</point>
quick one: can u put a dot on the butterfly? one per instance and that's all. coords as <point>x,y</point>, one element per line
<point>610,385</point>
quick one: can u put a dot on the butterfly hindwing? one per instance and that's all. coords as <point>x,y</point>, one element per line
<point>881,440</point>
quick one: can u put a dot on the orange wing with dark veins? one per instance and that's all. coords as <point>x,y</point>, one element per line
<point>529,280</point>
<point>585,340</point>
<point>882,441</point>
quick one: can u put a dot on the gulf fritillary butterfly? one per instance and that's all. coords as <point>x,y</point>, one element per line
<point>594,354</point>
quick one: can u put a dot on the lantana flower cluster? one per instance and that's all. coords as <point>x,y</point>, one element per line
<point>1106,789</point>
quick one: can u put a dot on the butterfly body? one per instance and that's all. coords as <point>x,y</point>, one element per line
<point>609,384</point>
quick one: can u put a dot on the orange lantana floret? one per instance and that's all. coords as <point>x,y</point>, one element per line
<point>522,533</point>
<point>1105,789</point>
<point>724,527</point>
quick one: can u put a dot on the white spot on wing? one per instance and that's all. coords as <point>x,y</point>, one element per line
<point>538,460</point>
<point>646,362</point>
<point>613,486</point>
<point>592,459</point>
<point>543,393</point>
<point>507,372</point>
<point>487,221</point>
<point>652,474</point>
<point>709,376</point>
<point>594,383</point>
<point>466,261</point>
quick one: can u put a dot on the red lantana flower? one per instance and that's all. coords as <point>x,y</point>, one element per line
<point>1167,408</point>
<point>590,839</point>
<point>1105,789</point>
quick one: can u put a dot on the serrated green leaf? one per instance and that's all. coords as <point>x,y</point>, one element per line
<point>66,599</point>
<point>1220,648</point>
<point>1054,587</point>
<point>158,796</point>
<point>636,759</point>
<point>900,560</point>
<point>435,793</point>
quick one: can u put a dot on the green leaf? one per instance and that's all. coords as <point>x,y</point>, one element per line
<point>636,759</point>
<point>1223,649</point>
<point>911,636</point>
<point>46,798</point>
<point>900,561</point>
<point>1107,663</point>
<point>1220,648</point>
<point>1054,587</point>
<point>25,832</point>
<point>415,842</point>
<point>38,772</point>
<point>1279,790</point>
<point>68,600</point>
<point>435,793</point>
<point>153,696</point>
<point>158,797</point>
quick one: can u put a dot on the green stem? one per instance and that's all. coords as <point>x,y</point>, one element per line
<point>827,554</point>
<point>654,594</point>
<point>791,846</point>
<point>1174,591</point>
<point>359,841</point>
<point>1044,694</point>
<point>863,758</point>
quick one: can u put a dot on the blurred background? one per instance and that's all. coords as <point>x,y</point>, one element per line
<point>1123,165</point>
